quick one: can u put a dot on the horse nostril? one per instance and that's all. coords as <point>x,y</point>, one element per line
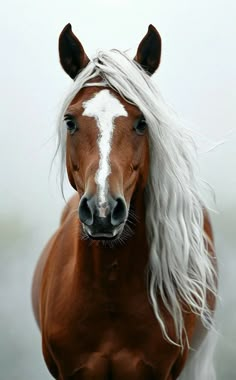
<point>119,212</point>
<point>85,212</point>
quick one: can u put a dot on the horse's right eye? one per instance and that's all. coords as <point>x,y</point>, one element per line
<point>70,124</point>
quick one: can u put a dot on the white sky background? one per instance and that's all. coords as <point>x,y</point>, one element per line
<point>197,76</point>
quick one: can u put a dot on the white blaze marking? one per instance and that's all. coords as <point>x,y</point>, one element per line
<point>104,107</point>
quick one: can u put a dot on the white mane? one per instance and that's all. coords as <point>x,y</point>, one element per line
<point>180,267</point>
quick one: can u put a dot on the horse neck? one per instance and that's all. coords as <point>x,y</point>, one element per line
<point>124,262</point>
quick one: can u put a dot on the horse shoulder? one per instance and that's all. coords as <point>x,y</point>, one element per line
<point>37,279</point>
<point>44,262</point>
<point>51,281</point>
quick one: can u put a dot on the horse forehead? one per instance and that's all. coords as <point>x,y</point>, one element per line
<point>104,105</point>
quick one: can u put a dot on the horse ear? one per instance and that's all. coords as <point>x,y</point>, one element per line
<point>149,51</point>
<point>71,52</point>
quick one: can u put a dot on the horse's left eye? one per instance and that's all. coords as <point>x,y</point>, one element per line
<point>70,125</point>
<point>140,126</point>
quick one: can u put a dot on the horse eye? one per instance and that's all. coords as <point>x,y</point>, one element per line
<point>140,126</point>
<point>70,124</point>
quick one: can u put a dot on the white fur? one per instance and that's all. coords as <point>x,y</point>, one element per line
<point>179,265</point>
<point>104,107</point>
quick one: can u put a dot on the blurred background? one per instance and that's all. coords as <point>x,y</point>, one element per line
<point>197,77</point>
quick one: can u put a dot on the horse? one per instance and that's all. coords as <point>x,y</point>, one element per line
<point>126,288</point>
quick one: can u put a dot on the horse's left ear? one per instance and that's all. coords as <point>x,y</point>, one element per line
<point>72,55</point>
<point>149,51</point>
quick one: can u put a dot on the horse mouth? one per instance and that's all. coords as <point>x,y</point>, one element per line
<point>103,235</point>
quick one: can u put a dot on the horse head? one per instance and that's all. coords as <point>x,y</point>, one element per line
<point>107,153</point>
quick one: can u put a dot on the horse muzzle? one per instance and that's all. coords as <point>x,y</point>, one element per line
<point>103,221</point>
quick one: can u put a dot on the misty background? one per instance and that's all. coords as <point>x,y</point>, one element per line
<point>197,77</point>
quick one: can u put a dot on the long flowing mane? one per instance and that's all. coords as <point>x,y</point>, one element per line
<point>180,268</point>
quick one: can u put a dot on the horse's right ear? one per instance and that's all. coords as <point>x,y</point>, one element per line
<point>72,55</point>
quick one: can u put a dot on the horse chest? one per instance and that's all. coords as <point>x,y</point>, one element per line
<point>117,348</point>
<point>111,329</point>
<point>107,324</point>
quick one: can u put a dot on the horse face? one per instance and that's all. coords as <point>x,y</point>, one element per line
<point>107,158</point>
<point>107,145</point>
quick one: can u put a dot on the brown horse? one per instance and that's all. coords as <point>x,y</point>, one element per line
<point>125,289</point>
